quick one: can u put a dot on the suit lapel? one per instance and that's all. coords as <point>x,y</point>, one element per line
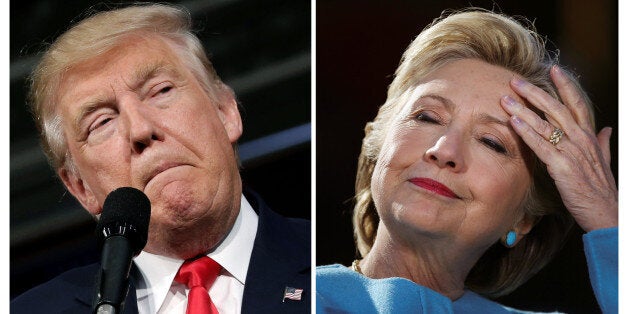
<point>280,259</point>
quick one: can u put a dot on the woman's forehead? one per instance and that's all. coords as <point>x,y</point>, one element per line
<point>465,82</point>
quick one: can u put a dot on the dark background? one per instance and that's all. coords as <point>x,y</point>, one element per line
<point>359,45</point>
<point>260,48</point>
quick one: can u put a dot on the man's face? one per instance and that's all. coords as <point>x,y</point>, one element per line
<point>136,116</point>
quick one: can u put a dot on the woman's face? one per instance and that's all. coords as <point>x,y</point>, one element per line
<point>451,167</point>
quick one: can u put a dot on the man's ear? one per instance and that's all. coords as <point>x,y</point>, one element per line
<point>80,190</point>
<point>230,116</point>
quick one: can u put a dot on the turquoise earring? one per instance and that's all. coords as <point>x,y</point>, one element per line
<point>511,237</point>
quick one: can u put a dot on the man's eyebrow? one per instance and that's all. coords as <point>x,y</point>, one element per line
<point>85,109</point>
<point>149,70</point>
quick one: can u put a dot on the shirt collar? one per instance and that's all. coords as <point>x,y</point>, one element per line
<point>233,254</point>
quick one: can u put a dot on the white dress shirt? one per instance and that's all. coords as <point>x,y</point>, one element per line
<point>157,292</point>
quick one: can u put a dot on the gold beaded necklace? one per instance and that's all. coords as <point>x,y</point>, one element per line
<point>355,266</point>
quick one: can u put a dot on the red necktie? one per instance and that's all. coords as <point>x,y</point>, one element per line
<point>199,274</point>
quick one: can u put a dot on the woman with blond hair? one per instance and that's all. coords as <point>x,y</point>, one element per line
<point>470,176</point>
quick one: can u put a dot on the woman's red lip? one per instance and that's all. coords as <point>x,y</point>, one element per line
<point>434,186</point>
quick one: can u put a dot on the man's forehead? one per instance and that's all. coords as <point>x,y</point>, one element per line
<point>131,65</point>
<point>130,57</point>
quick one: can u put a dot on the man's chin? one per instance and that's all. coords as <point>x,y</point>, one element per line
<point>180,175</point>
<point>165,188</point>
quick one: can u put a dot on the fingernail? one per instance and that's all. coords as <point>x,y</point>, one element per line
<point>516,120</point>
<point>557,70</point>
<point>510,101</point>
<point>518,82</point>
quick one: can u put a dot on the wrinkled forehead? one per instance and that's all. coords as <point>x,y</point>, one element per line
<point>130,53</point>
<point>466,82</point>
<point>132,60</point>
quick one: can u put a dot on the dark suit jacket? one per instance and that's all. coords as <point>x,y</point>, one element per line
<point>280,259</point>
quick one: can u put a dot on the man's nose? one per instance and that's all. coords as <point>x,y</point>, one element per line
<point>447,152</point>
<point>142,130</point>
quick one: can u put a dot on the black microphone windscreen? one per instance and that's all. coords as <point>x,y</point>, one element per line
<point>126,212</point>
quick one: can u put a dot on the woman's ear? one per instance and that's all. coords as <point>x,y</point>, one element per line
<point>519,231</point>
<point>525,224</point>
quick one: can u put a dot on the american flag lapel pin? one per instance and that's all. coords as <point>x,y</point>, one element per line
<point>292,294</point>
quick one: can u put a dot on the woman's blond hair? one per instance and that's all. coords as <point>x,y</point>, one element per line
<point>498,40</point>
<point>95,36</point>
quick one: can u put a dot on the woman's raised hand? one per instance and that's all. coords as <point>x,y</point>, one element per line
<point>577,159</point>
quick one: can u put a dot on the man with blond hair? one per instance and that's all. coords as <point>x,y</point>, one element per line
<point>128,97</point>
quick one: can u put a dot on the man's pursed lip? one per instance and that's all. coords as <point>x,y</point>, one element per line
<point>163,168</point>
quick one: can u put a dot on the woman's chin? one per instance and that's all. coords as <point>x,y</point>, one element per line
<point>424,220</point>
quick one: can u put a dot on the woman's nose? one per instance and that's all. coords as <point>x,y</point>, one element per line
<point>447,152</point>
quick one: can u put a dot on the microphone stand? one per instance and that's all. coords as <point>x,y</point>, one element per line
<point>113,279</point>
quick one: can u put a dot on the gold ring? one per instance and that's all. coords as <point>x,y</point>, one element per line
<point>556,136</point>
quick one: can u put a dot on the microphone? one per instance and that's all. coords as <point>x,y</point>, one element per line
<point>122,232</point>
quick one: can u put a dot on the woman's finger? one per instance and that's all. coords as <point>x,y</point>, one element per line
<point>572,98</point>
<point>541,126</point>
<point>537,143</point>
<point>604,140</point>
<point>555,112</point>
<point>581,172</point>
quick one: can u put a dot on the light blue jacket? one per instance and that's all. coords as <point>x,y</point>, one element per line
<point>341,290</point>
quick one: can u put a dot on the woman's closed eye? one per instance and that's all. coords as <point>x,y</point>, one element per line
<point>494,145</point>
<point>428,117</point>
